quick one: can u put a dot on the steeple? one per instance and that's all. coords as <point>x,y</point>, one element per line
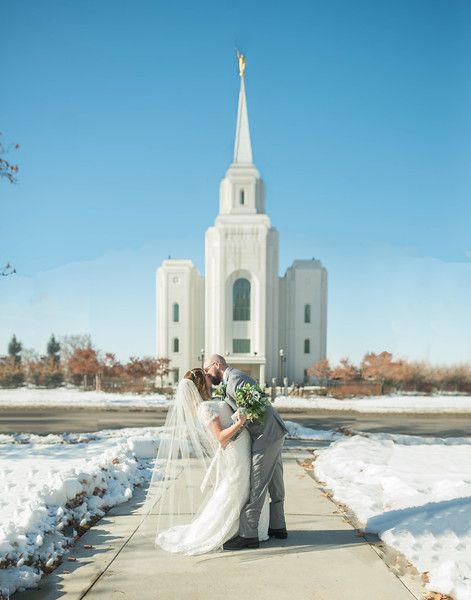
<point>241,191</point>
<point>242,145</point>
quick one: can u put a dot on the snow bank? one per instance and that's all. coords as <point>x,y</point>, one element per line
<point>56,485</point>
<point>415,493</point>
<point>395,404</point>
<point>383,404</point>
<point>73,397</point>
<point>143,447</point>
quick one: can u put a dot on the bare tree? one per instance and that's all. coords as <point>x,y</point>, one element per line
<point>378,367</point>
<point>7,269</point>
<point>70,343</point>
<point>163,369</point>
<point>321,370</point>
<point>110,365</point>
<point>84,364</point>
<point>142,367</point>
<point>8,171</point>
<point>345,371</point>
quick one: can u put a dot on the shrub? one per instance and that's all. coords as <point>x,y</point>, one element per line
<point>44,372</point>
<point>11,374</point>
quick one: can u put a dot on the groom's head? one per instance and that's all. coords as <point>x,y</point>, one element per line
<point>214,366</point>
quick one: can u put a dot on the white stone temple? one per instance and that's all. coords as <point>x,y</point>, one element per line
<point>264,324</point>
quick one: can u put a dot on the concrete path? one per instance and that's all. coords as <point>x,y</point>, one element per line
<point>323,559</point>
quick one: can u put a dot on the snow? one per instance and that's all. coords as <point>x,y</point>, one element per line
<point>71,397</point>
<point>415,493</point>
<point>143,447</point>
<point>54,484</point>
<point>384,404</point>
<point>298,432</point>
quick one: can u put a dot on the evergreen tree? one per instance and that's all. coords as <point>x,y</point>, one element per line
<point>53,349</point>
<point>14,349</point>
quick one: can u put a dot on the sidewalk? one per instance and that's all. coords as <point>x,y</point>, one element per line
<point>323,559</point>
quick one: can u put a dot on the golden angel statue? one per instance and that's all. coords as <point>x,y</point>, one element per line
<point>242,63</point>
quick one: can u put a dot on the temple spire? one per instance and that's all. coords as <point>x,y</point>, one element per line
<point>242,146</point>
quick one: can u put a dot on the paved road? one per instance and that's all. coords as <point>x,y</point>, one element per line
<point>60,419</point>
<point>57,420</point>
<point>428,425</point>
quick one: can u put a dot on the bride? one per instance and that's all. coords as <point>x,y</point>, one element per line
<point>202,471</point>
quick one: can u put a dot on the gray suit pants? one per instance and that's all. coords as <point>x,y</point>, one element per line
<point>266,476</point>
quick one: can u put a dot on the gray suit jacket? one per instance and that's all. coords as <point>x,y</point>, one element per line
<point>262,434</point>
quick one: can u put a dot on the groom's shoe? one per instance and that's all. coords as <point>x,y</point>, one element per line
<point>280,534</point>
<point>239,543</point>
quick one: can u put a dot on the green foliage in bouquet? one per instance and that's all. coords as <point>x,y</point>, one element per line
<point>252,401</point>
<point>220,391</point>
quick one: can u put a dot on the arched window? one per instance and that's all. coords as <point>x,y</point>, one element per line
<point>307,346</point>
<point>307,313</point>
<point>241,300</point>
<point>242,196</point>
<point>176,312</point>
<point>176,345</point>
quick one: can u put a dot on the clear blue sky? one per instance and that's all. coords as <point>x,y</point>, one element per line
<point>125,113</point>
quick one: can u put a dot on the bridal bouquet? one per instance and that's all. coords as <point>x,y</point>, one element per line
<point>252,401</point>
<point>220,391</point>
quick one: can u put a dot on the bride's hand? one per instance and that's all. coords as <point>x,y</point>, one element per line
<point>240,418</point>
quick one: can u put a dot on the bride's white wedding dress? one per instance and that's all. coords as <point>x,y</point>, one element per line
<point>218,520</point>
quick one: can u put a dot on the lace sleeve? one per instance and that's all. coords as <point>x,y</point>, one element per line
<point>208,411</point>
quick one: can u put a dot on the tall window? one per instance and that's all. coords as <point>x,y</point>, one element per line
<point>241,300</point>
<point>307,346</point>
<point>176,345</point>
<point>176,312</point>
<point>242,196</point>
<point>307,313</point>
<point>241,346</point>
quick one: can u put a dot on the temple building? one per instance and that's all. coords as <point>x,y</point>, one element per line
<point>264,324</point>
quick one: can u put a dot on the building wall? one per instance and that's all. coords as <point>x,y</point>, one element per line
<point>178,282</point>
<point>305,282</point>
<point>284,328</point>
<point>272,297</point>
<point>242,244</point>
<point>240,248</point>
<point>241,178</point>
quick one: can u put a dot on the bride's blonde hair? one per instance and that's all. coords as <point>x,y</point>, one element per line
<point>197,376</point>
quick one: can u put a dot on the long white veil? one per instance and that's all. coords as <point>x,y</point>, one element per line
<point>188,462</point>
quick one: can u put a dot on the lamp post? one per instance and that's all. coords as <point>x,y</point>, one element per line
<point>201,357</point>
<point>282,361</point>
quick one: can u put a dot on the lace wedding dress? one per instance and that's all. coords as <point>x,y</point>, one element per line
<point>218,520</point>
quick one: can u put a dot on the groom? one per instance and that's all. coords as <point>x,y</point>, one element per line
<point>267,467</point>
